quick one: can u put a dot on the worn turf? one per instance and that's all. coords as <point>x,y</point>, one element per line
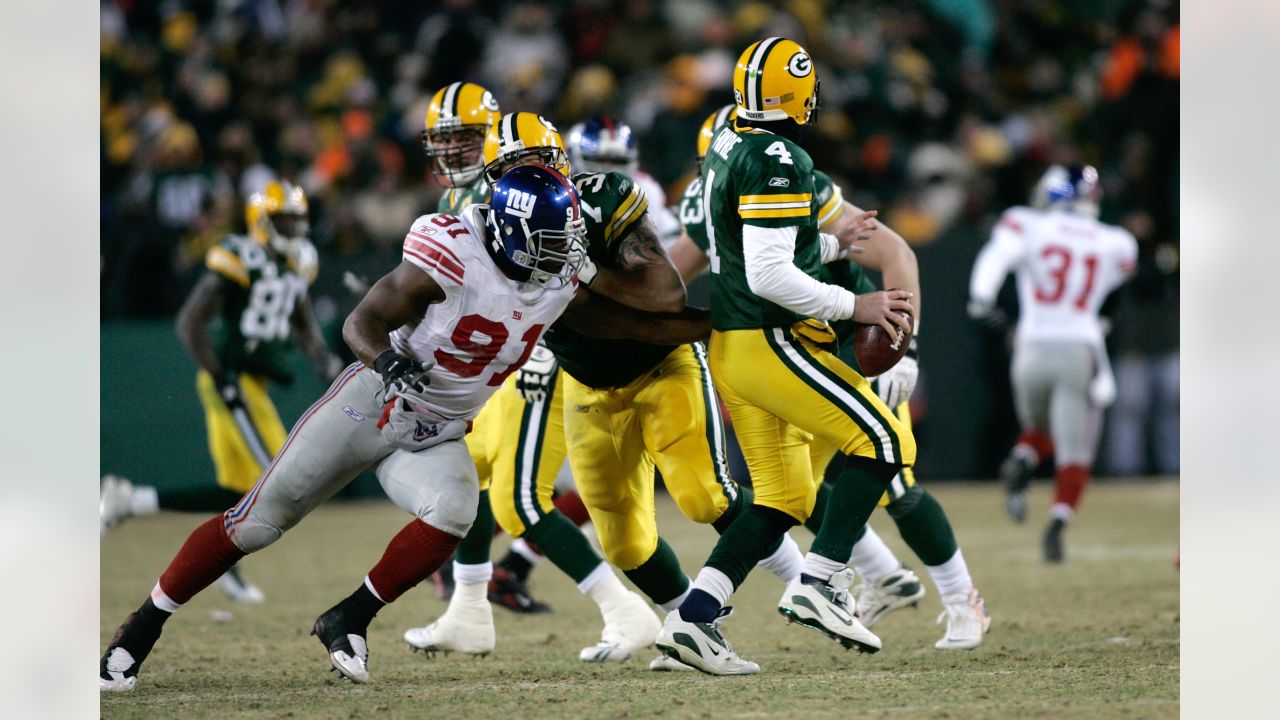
<point>1094,638</point>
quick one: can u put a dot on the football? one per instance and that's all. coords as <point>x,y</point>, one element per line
<point>874,349</point>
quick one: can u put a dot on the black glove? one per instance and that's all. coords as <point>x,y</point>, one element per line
<point>228,385</point>
<point>401,374</point>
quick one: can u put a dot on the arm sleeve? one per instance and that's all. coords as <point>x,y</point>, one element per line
<point>771,273</point>
<point>996,259</point>
<point>831,250</point>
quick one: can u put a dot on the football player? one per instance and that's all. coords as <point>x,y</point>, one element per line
<point>886,584</point>
<point>257,286</point>
<point>771,357</point>
<point>1065,262</point>
<point>434,337</point>
<point>526,443</point>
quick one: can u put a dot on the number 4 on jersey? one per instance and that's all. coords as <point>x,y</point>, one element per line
<point>779,151</point>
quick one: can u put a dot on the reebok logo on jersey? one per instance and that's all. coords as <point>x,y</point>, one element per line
<point>779,182</point>
<point>520,203</point>
<point>353,413</point>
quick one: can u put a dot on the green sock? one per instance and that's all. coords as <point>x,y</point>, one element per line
<point>853,498</point>
<point>924,526</point>
<point>474,548</point>
<point>660,577</point>
<point>748,540</point>
<point>814,523</point>
<point>564,545</point>
<point>745,499</point>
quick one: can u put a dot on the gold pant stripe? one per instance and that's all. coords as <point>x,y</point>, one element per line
<point>533,428</point>
<point>523,451</point>
<point>715,425</point>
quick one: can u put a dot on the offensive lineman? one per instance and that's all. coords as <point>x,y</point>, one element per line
<point>1066,263</point>
<point>435,336</point>
<point>887,585</point>
<point>770,359</point>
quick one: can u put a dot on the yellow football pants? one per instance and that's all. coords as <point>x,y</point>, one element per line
<point>524,449</point>
<point>242,443</point>
<point>821,453</point>
<point>784,391</point>
<point>668,418</point>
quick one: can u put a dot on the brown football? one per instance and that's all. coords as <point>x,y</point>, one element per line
<point>874,350</point>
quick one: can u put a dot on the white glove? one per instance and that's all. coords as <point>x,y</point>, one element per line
<point>535,376</point>
<point>897,384</point>
<point>409,425</point>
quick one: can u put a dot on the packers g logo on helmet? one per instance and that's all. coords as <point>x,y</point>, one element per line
<point>523,137</point>
<point>458,118</point>
<point>775,80</point>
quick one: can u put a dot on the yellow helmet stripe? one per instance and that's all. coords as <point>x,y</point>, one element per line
<point>755,73</point>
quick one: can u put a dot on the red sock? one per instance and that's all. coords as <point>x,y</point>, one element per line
<point>412,555</point>
<point>204,557</point>
<point>570,503</point>
<point>1071,481</point>
<point>1038,442</point>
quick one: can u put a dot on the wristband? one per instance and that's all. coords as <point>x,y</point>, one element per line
<point>587,273</point>
<point>385,360</point>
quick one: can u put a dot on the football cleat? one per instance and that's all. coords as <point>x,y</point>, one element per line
<point>629,625</point>
<point>702,646</point>
<point>118,669</point>
<point>113,502</point>
<point>662,663</point>
<point>234,586</point>
<point>1052,542</point>
<point>967,621</point>
<point>466,627</point>
<point>347,647</point>
<point>899,589</point>
<point>506,590</point>
<point>829,609</point>
<point>1016,474</point>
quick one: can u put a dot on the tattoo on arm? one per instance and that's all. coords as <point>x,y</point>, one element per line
<point>640,246</point>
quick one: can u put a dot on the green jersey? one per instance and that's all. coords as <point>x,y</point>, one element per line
<point>612,205</point>
<point>455,199</point>
<point>263,290</point>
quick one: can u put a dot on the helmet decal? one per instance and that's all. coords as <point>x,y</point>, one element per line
<point>800,65</point>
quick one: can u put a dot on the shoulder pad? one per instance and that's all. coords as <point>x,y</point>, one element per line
<point>432,245</point>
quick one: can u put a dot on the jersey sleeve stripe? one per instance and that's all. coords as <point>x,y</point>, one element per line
<point>788,197</point>
<point>832,209</point>
<point>425,250</point>
<point>435,243</point>
<point>427,263</point>
<point>773,205</point>
<point>225,263</point>
<point>625,216</point>
<point>800,212</point>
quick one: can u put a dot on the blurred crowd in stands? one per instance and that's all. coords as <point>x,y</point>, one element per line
<point>939,113</point>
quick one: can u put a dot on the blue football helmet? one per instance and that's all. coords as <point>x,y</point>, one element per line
<point>602,144</point>
<point>537,231</point>
<point>1074,188</point>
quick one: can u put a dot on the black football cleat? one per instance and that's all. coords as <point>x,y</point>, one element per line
<point>506,590</point>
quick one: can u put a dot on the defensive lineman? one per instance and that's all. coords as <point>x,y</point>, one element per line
<point>1066,262</point>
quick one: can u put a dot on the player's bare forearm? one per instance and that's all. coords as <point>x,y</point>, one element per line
<point>400,297</point>
<point>192,323</point>
<point>309,338</point>
<point>641,274</point>
<point>596,316</point>
<point>688,258</point>
<point>886,252</point>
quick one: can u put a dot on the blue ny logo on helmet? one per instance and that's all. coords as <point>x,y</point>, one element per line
<point>602,144</point>
<point>1075,188</point>
<point>538,234</point>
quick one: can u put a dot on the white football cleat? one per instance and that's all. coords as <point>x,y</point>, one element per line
<point>630,624</point>
<point>662,663</point>
<point>113,502</point>
<point>967,621</point>
<point>702,646</point>
<point>235,586</point>
<point>466,627</point>
<point>112,678</point>
<point>899,589</point>
<point>829,609</point>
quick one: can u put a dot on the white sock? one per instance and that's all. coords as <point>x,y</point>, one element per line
<point>163,601</point>
<point>872,558</point>
<point>144,500</point>
<point>786,561</point>
<point>472,574</point>
<point>1061,511</point>
<point>521,548</point>
<point>601,575</point>
<point>952,576</point>
<point>714,583</point>
<point>675,602</point>
<point>820,567</point>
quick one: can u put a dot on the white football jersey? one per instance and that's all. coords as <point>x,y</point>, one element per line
<point>664,221</point>
<point>488,324</point>
<point>1065,265</point>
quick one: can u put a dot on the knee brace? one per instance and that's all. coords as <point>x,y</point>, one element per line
<point>905,504</point>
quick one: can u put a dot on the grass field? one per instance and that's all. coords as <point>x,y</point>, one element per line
<point>1094,638</point>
